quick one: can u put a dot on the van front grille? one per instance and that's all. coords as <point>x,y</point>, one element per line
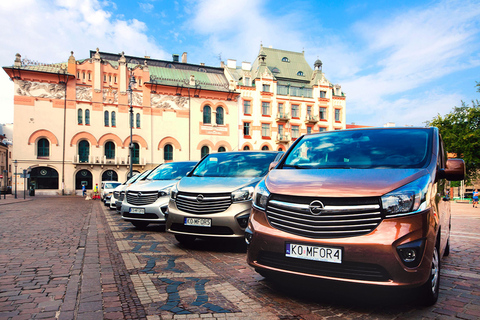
<point>143,198</point>
<point>324,217</point>
<point>204,203</point>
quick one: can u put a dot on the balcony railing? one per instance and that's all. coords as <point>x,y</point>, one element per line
<point>283,138</point>
<point>311,119</point>
<point>281,116</point>
<point>99,160</point>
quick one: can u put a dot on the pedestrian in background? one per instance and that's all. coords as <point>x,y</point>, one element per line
<point>84,190</point>
<point>475,198</point>
<point>95,192</point>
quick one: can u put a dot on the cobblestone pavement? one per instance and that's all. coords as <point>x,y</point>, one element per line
<point>67,258</point>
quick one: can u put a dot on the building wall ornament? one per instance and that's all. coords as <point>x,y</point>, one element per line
<point>41,90</point>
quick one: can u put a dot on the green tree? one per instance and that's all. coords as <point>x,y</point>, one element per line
<point>460,130</point>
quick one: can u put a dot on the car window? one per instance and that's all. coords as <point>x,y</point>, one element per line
<point>111,185</point>
<point>388,148</point>
<point>171,171</point>
<point>236,164</point>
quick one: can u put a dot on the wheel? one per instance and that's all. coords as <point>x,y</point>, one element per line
<point>140,224</point>
<point>429,290</point>
<point>184,239</point>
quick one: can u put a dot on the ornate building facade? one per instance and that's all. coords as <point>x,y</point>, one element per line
<point>73,120</point>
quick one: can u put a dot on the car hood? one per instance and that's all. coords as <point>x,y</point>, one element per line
<point>152,185</point>
<point>339,182</point>
<point>215,184</point>
<point>120,188</point>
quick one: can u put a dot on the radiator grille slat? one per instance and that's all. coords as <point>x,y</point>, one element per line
<point>143,198</point>
<point>205,203</point>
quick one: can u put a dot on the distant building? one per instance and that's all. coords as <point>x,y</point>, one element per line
<point>72,119</point>
<point>282,98</point>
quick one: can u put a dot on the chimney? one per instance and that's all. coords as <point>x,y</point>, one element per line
<point>246,66</point>
<point>175,57</point>
<point>232,64</point>
<point>184,57</point>
<point>202,63</point>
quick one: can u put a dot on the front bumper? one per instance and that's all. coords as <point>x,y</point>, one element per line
<point>230,223</point>
<point>367,259</point>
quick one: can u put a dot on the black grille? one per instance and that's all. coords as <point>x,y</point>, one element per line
<point>340,217</point>
<point>218,230</point>
<point>140,216</point>
<point>344,270</point>
<point>143,198</point>
<point>209,203</point>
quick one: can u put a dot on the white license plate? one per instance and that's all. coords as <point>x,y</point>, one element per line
<point>198,222</point>
<point>137,210</point>
<point>325,254</point>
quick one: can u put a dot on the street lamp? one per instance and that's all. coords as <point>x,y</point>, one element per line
<point>5,184</point>
<point>131,84</point>
<point>63,79</point>
<point>15,162</point>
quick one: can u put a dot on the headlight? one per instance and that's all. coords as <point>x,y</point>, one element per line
<point>164,192</point>
<point>408,199</point>
<point>260,195</point>
<point>242,194</point>
<point>174,191</point>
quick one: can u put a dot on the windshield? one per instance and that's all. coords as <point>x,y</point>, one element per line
<point>171,171</point>
<point>235,164</point>
<point>111,185</point>
<point>385,148</point>
<point>139,176</point>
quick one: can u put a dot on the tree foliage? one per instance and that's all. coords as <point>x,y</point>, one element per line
<point>460,130</point>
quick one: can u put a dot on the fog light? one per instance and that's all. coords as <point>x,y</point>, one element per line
<point>408,255</point>
<point>243,221</point>
<point>248,236</point>
<point>411,253</point>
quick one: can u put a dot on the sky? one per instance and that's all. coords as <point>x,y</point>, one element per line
<point>397,61</point>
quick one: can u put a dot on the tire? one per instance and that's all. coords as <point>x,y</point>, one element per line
<point>140,224</point>
<point>184,239</point>
<point>447,248</point>
<point>429,290</point>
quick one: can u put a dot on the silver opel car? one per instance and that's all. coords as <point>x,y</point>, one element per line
<point>119,192</point>
<point>146,201</point>
<point>215,199</point>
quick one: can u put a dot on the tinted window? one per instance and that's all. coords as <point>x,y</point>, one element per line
<point>111,185</point>
<point>236,164</point>
<point>171,171</point>
<point>388,148</point>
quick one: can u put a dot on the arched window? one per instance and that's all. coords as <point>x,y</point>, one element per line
<point>43,148</point>
<point>107,118</point>
<point>300,73</point>
<point>246,148</point>
<point>285,59</point>
<point>265,148</point>
<point>168,152</point>
<point>87,116</point>
<point>205,151</point>
<point>114,119</point>
<point>136,153</point>
<point>207,114</point>
<point>219,116</point>
<point>80,116</point>
<point>109,175</point>
<point>110,150</point>
<point>83,151</point>
<point>138,120</point>
<point>221,149</point>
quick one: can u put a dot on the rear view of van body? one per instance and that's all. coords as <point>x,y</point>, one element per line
<point>367,206</point>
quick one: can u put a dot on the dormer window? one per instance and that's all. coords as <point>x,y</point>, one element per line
<point>285,59</point>
<point>300,73</point>
<point>275,70</point>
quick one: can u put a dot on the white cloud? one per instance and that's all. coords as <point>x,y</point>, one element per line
<point>47,32</point>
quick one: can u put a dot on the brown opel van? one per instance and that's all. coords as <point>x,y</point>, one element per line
<point>368,206</point>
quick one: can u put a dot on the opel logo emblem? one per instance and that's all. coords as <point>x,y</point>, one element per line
<point>139,195</point>
<point>199,198</point>
<point>316,207</point>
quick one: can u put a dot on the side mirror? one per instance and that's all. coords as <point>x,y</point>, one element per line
<point>272,165</point>
<point>454,171</point>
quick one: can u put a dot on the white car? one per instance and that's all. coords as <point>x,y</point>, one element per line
<point>106,190</point>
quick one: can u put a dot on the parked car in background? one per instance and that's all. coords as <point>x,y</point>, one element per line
<point>106,190</point>
<point>119,192</point>
<point>366,206</point>
<point>146,202</point>
<point>215,199</point>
